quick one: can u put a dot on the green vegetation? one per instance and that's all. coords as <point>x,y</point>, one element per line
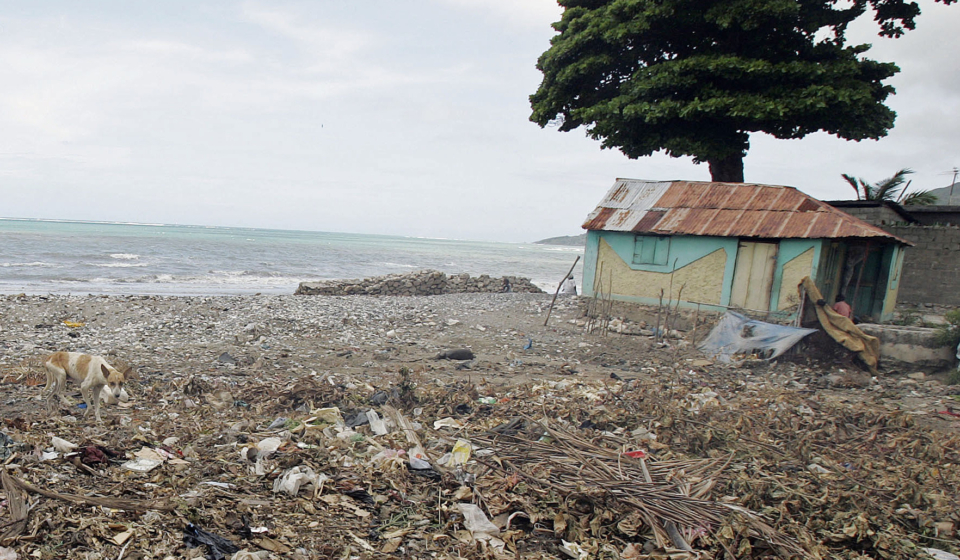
<point>948,334</point>
<point>892,189</point>
<point>695,78</point>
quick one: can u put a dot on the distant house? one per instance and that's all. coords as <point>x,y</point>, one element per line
<point>877,212</point>
<point>732,245</point>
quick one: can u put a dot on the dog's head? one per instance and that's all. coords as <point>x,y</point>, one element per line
<point>115,378</point>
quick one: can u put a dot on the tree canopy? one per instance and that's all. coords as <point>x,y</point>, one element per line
<point>696,77</point>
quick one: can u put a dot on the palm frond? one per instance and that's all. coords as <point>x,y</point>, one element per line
<point>889,188</point>
<point>855,183</point>
<point>919,198</point>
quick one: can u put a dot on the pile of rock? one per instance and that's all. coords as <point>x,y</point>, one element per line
<point>420,283</point>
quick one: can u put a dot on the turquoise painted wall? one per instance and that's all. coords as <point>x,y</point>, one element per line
<point>684,249</point>
<point>590,263</point>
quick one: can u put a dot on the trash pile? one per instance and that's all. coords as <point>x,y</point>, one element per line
<point>679,462</point>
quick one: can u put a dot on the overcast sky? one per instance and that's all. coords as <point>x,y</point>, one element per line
<point>404,118</point>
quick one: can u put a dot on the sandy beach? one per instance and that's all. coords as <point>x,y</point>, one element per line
<point>219,376</point>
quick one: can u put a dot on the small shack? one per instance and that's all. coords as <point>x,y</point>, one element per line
<point>733,245</point>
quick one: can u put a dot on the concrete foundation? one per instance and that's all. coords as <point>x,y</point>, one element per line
<point>910,345</point>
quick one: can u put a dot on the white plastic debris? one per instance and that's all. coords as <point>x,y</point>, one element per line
<point>378,426</point>
<point>447,422</point>
<point>268,447</point>
<point>329,415</point>
<point>418,459</point>
<point>141,465</point>
<point>476,521</point>
<point>941,554</point>
<point>62,445</point>
<point>247,555</point>
<point>292,480</point>
<point>480,527</point>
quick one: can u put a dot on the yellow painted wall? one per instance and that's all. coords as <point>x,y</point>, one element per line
<point>702,279</point>
<point>793,273</point>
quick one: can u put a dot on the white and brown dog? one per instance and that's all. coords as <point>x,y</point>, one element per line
<point>92,372</point>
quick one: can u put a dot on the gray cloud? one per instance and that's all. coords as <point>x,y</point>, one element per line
<point>397,118</point>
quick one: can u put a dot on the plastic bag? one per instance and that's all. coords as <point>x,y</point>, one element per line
<point>476,521</point>
<point>291,481</point>
<point>461,453</point>
<point>217,546</point>
<point>737,334</point>
<point>378,426</point>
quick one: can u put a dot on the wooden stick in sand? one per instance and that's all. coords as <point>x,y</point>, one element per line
<point>555,294</point>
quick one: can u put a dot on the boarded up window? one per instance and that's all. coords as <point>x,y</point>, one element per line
<point>650,249</point>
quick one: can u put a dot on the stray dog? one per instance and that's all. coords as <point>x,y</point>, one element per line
<point>92,372</point>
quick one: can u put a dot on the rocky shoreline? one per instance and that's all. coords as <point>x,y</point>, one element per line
<point>420,283</point>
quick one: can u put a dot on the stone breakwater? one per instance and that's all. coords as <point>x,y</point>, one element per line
<point>420,283</point>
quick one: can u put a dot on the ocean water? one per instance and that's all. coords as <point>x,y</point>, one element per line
<point>41,257</point>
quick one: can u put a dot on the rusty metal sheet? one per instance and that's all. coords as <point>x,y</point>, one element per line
<point>742,197</point>
<point>648,221</point>
<point>809,205</point>
<point>598,220</point>
<point>722,223</point>
<point>671,220</point>
<point>671,198</point>
<point>823,226</point>
<point>767,199</point>
<point>716,196</point>
<point>723,209</point>
<point>620,193</point>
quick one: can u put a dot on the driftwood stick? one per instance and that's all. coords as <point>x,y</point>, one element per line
<point>17,504</point>
<point>696,320</point>
<point>656,333</point>
<point>115,503</point>
<point>555,294</point>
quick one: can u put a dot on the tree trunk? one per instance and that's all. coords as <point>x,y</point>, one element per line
<point>727,170</point>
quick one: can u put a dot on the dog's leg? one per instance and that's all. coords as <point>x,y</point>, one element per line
<point>49,387</point>
<point>95,399</point>
<point>56,380</point>
<point>85,390</point>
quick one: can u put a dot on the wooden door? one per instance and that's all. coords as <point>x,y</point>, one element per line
<point>753,275</point>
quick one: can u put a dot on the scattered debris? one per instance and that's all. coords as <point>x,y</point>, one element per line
<point>458,354</point>
<point>591,446</point>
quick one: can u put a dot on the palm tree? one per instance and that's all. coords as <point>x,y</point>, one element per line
<point>919,198</point>
<point>892,189</point>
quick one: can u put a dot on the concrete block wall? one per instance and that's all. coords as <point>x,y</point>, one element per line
<point>931,269</point>
<point>876,215</point>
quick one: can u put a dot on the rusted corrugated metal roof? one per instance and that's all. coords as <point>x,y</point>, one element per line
<point>724,210</point>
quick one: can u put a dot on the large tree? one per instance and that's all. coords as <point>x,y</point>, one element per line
<point>696,77</point>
